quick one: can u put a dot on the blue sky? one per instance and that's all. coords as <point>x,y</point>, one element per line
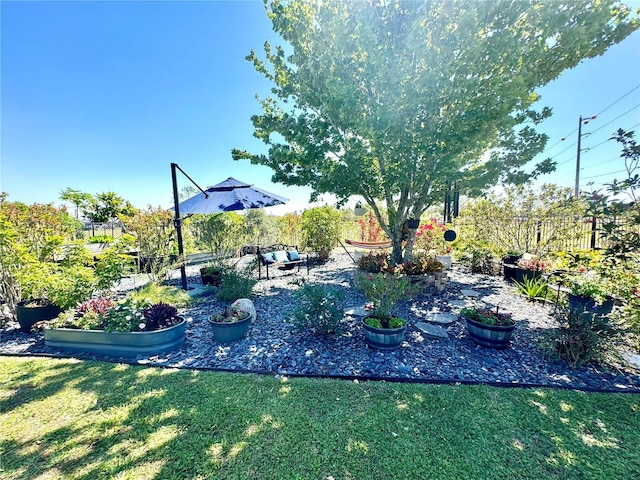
<point>103,96</point>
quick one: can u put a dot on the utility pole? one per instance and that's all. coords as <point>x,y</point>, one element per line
<point>580,122</point>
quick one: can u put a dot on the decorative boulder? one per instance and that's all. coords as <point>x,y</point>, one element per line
<point>245,305</point>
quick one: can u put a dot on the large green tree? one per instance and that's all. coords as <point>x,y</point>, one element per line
<point>390,100</point>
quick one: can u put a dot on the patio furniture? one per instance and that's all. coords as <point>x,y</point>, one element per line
<point>280,256</point>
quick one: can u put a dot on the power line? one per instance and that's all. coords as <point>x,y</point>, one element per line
<point>609,123</point>
<point>628,93</point>
<point>603,174</point>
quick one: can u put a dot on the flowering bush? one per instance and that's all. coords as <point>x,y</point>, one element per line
<point>105,314</point>
<point>534,264</point>
<point>383,290</point>
<point>430,237</point>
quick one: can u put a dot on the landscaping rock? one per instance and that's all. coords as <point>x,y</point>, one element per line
<point>245,305</point>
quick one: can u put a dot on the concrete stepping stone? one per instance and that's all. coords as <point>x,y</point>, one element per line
<point>458,303</point>
<point>357,312</point>
<point>442,318</point>
<point>633,359</point>
<point>432,330</point>
<point>470,293</point>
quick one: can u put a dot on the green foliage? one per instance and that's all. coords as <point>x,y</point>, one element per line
<point>235,285</point>
<point>101,239</point>
<point>393,322</point>
<point>618,209</point>
<point>221,234</point>
<point>488,317</point>
<point>391,100</point>
<point>320,308</point>
<point>105,206</point>
<point>320,230</point>
<point>477,254</point>
<point>154,234</point>
<point>524,219</point>
<point>383,290</point>
<point>422,263</point>
<point>375,263</point>
<point>582,338</point>
<point>155,293</point>
<point>533,288</point>
<point>113,264</point>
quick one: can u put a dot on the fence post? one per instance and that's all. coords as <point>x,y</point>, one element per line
<point>593,233</point>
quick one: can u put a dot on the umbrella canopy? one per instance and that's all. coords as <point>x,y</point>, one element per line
<point>230,195</point>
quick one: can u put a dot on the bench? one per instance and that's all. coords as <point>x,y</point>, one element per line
<point>281,256</point>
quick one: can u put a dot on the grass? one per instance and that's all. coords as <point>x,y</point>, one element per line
<point>64,419</point>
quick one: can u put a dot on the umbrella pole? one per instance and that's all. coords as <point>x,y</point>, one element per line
<point>178,223</point>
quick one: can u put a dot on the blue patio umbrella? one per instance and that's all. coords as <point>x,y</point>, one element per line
<point>228,196</point>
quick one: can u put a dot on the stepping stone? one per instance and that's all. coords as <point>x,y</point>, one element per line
<point>458,303</point>
<point>442,318</point>
<point>357,312</point>
<point>470,293</point>
<point>633,359</point>
<point>432,330</point>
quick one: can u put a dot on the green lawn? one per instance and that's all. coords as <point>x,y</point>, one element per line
<point>89,420</point>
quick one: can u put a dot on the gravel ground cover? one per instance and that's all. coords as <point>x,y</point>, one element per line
<point>274,346</point>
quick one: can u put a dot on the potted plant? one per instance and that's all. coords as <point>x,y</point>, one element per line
<point>230,324</point>
<point>530,267</point>
<point>129,327</point>
<point>425,273</point>
<point>47,288</point>
<point>212,274</point>
<point>488,328</point>
<point>590,293</point>
<point>383,330</point>
<point>509,261</point>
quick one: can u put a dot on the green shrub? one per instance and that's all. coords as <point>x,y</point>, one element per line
<point>153,293</point>
<point>320,230</point>
<point>101,239</point>
<point>582,338</point>
<point>320,307</point>
<point>533,288</point>
<point>374,262</point>
<point>235,285</point>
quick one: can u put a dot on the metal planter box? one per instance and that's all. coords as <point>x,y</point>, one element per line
<point>116,344</point>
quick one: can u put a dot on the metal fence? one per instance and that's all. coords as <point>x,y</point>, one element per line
<point>559,233</point>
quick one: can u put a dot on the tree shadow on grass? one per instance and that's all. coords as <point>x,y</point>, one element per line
<point>132,422</point>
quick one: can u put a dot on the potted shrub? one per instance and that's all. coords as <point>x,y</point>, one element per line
<point>212,274</point>
<point>383,330</point>
<point>135,325</point>
<point>230,324</point>
<point>488,328</point>
<point>425,273</point>
<point>47,288</point>
<point>590,293</point>
<point>530,267</point>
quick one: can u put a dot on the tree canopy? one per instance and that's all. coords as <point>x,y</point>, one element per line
<point>390,100</point>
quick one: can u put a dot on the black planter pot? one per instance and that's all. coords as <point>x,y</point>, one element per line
<point>413,223</point>
<point>580,305</point>
<point>490,336</point>
<point>509,271</point>
<point>522,274</point>
<point>212,278</point>
<point>29,315</point>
